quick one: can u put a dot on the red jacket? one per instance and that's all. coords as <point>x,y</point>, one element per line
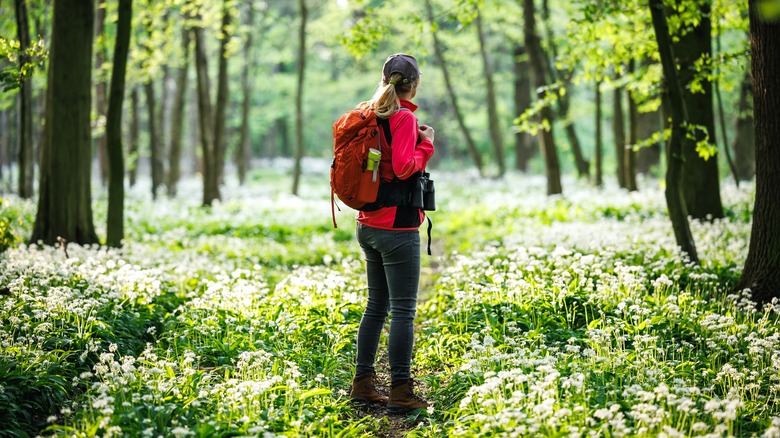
<point>403,159</point>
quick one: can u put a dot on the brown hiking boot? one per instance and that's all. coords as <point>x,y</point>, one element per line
<point>364,390</point>
<point>403,400</point>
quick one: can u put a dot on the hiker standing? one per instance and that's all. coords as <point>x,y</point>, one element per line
<point>390,238</point>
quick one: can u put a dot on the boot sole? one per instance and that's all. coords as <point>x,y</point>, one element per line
<point>363,402</point>
<point>398,410</point>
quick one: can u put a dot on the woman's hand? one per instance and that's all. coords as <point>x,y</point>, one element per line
<point>426,132</point>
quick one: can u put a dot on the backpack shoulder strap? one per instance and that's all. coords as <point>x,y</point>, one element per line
<point>385,124</point>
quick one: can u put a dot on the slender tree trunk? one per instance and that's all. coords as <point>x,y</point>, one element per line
<point>619,133</point>
<point>701,183</point>
<point>674,195</point>
<point>599,139</point>
<point>156,159</point>
<point>629,155</point>
<point>116,163</point>
<point>3,141</point>
<point>177,118</point>
<point>193,118</point>
<point>135,133</point>
<point>745,138</point>
<point>762,266</point>
<point>299,97</point>
<point>722,116</point>
<point>580,163</point>
<point>65,201</point>
<point>439,51</point>
<point>525,143</point>
<point>496,136</point>
<point>222,95</point>
<point>535,57</point>
<point>25,133</point>
<point>39,113</point>
<point>278,129</point>
<point>101,90</point>
<point>648,124</point>
<point>205,121</point>
<point>243,154</point>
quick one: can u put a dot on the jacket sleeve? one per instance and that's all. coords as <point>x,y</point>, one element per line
<point>408,155</point>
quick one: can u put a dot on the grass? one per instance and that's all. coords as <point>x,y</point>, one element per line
<point>573,315</point>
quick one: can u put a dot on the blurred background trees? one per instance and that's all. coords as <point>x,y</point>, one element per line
<point>212,88</point>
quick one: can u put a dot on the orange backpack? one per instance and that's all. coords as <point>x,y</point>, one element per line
<point>351,178</point>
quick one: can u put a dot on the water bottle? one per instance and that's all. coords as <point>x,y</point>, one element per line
<point>369,181</point>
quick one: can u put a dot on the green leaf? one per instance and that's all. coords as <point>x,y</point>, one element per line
<point>314,393</point>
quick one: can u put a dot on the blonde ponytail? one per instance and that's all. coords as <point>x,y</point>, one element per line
<point>384,102</point>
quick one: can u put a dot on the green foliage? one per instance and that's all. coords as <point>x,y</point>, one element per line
<point>769,9</point>
<point>16,218</point>
<point>240,319</point>
<point>34,57</point>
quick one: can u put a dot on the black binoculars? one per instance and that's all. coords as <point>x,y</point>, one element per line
<point>423,194</point>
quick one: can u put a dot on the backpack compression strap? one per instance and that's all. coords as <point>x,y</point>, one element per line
<point>333,207</point>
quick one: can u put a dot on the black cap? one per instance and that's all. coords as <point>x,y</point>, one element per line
<point>401,63</point>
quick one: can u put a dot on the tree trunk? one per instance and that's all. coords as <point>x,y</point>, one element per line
<point>25,135</point>
<point>65,201</point>
<point>580,163</point>
<point>222,95</point>
<point>439,51</point>
<point>100,91</point>
<point>762,266</point>
<point>156,156</point>
<point>135,132</point>
<point>177,118</point>
<point>243,154</point>
<point>648,124</point>
<point>619,133</point>
<point>674,195</point>
<point>535,57</point>
<point>210,181</point>
<point>192,146</point>
<point>299,98</point>
<point>525,143</point>
<point>4,143</point>
<point>599,139</point>
<point>629,155</point>
<point>116,163</point>
<point>496,136</point>
<point>701,183</point>
<point>745,139</point>
<point>722,115</point>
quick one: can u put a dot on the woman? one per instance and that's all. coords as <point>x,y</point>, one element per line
<point>390,239</point>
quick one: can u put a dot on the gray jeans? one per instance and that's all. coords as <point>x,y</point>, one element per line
<point>393,271</point>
